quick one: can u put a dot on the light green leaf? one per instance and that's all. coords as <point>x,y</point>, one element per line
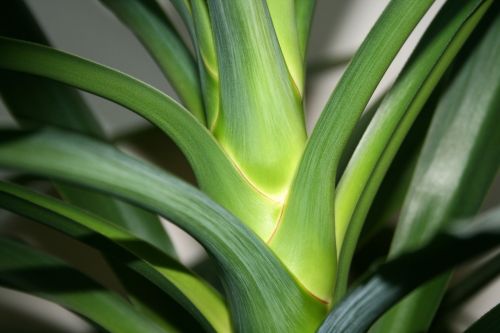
<point>215,172</point>
<point>252,276</point>
<point>305,237</point>
<point>37,102</point>
<point>304,12</point>
<point>394,118</point>
<point>153,28</point>
<point>196,296</point>
<point>395,279</point>
<point>287,31</point>
<point>261,122</point>
<point>457,164</point>
<point>27,270</point>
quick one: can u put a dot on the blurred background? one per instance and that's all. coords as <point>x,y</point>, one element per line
<point>85,28</point>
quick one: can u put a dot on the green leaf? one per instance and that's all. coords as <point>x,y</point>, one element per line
<point>261,122</point>
<point>457,165</point>
<point>490,322</point>
<point>207,60</point>
<point>151,144</point>
<point>304,12</point>
<point>183,7</point>
<point>283,16</point>
<point>302,246</point>
<point>63,106</point>
<point>37,102</point>
<point>27,270</point>
<point>394,118</point>
<point>252,276</point>
<point>215,172</point>
<point>395,279</point>
<point>196,296</point>
<point>153,28</point>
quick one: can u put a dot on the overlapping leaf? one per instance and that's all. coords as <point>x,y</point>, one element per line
<point>215,172</point>
<point>305,238</point>
<point>394,118</point>
<point>261,123</point>
<point>262,295</point>
<point>457,164</point>
<point>37,102</point>
<point>153,28</point>
<point>396,278</point>
<point>146,260</point>
<point>28,270</point>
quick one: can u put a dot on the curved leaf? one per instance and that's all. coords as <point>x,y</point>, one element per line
<point>302,246</point>
<point>396,278</point>
<point>394,118</point>
<point>207,60</point>
<point>37,101</point>
<point>27,270</point>
<point>197,297</point>
<point>262,295</point>
<point>456,167</point>
<point>304,12</point>
<point>153,28</point>
<point>215,172</point>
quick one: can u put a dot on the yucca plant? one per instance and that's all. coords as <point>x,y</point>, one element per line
<point>282,213</point>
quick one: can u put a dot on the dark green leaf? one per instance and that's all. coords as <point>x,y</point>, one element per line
<point>215,172</point>
<point>27,270</point>
<point>37,101</point>
<point>393,120</point>
<point>154,29</point>
<point>253,278</point>
<point>139,256</point>
<point>396,278</point>
<point>456,167</point>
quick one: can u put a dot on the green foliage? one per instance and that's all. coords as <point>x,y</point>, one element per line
<point>279,212</point>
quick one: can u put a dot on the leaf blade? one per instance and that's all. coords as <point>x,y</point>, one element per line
<point>258,98</point>
<point>259,280</point>
<point>38,102</point>
<point>394,118</point>
<point>453,145</point>
<point>396,278</point>
<point>215,172</point>
<point>153,28</point>
<point>19,264</point>
<point>195,296</point>
<point>312,194</point>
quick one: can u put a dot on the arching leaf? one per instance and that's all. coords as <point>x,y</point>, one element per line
<point>27,270</point>
<point>253,278</point>
<point>147,260</point>
<point>395,279</point>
